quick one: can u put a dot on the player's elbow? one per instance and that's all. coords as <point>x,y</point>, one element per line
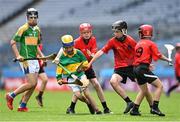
<point>12,42</point>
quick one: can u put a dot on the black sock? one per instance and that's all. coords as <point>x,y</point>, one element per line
<point>40,93</point>
<point>136,107</point>
<point>104,104</point>
<point>127,100</point>
<point>155,104</point>
<point>72,106</point>
<point>172,88</point>
<point>150,106</point>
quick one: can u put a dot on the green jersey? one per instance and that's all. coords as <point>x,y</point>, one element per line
<point>71,64</point>
<point>29,38</point>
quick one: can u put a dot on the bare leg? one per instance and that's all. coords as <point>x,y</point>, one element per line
<point>31,82</point>
<point>98,89</point>
<point>115,83</point>
<point>91,100</point>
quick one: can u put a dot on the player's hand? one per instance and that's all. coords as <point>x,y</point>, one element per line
<point>151,67</point>
<point>74,76</point>
<point>88,66</point>
<point>20,58</point>
<point>170,63</point>
<point>60,82</point>
<point>56,61</point>
<point>89,53</point>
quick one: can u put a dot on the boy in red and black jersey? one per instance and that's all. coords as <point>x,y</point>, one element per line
<point>177,69</point>
<point>86,42</point>
<point>146,50</point>
<point>123,47</point>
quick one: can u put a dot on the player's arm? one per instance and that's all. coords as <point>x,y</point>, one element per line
<point>96,56</point>
<point>59,78</point>
<point>164,58</point>
<point>15,50</point>
<point>39,52</point>
<point>56,60</point>
<point>157,55</point>
<point>93,50</point>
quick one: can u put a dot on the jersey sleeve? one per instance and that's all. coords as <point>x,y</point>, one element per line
<point>107,47</point>
<point>177,64</point>
<point>19,33</point>
<point>94,46</point>
<point>39,35</point>
<point>76,44</point>
<point>155,52</point>
<point>59,71</point>
<point>81,55</point>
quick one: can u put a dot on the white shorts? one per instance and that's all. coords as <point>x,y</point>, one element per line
<point>30,66</point>
<point>75,87</point>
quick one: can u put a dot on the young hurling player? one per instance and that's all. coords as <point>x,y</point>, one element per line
<point>86,42</point>
<point>28,36</point>
<point>146,50</point>
<point>71,58</point>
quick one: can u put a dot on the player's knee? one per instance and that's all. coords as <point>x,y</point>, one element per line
<point>113,82</point>
<point>144,92</point>
<point>159,86</point>
<point>95,83</point>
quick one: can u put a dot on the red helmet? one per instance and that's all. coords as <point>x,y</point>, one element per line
<point>85,26</point>
<point>145,31</point>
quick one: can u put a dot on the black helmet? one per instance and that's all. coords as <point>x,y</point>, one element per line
<point>119,25</point>
<point>32,12</point>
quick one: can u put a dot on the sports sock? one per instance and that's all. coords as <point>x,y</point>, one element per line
<point>155,104</point>
<point>104,104</point>
<point>127,99</point>
<point>22,105</point>
<point>12,95</point>
<point>136,107</point>
<point>40,93</point>
<point>150,106</point>
<point>72,106</point>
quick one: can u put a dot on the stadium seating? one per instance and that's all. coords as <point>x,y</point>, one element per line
<point>57,17</point>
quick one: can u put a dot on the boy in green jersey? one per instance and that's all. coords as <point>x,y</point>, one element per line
<point>28,36</point>
<point>71,58</point>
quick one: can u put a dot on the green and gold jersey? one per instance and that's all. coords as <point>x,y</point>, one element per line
<point>71,63</point>
<point>29,38</point>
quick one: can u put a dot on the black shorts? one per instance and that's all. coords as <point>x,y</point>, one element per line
<point>125,72</point>
<point>90,73</point>
<point>143,74</point>
<point>41,70</point>
<point>178,78</point>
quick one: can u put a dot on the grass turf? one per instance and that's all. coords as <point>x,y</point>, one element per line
<point>56,103</point>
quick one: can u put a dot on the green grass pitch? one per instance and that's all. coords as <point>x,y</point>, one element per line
<point>55,104</point>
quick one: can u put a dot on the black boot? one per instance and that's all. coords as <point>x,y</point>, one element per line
<point>128,107</point>
<point>70,111</point>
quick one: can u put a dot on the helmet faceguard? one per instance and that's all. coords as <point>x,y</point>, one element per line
<point>145,31</point>
<point>120,26</point>
<point>31,12</point>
